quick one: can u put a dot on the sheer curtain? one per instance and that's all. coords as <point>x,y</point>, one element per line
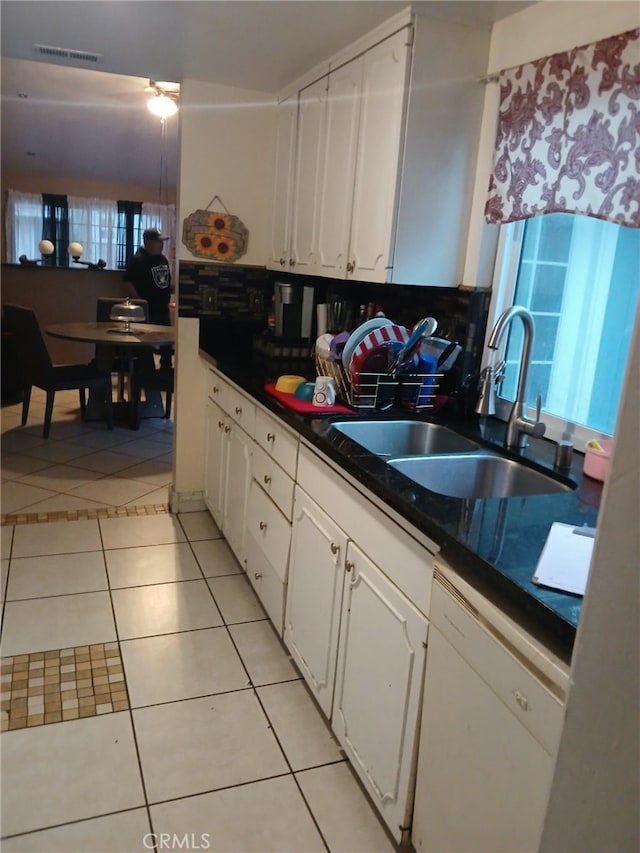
<point>94,223</point>
<point>23,225</point>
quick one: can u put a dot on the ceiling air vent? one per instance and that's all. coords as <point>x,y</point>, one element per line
<point>67,53</point>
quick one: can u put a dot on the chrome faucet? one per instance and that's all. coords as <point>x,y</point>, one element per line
<point>519,426</point>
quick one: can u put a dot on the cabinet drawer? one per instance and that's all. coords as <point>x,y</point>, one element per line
<point>269,587</point>
<point>275,482</point>
<point>269,528</point>
<point>277,441</point>
<point>240,409</point>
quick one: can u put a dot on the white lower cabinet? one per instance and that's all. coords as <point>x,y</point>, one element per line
<point>379,686</point>
<point>360,644</point>
<point>237,478</point>
<point>215,460</point>
<point>314,596</point>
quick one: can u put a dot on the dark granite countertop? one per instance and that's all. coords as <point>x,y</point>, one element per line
<point>492,542</point>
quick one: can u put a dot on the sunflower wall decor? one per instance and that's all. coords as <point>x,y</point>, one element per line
<point>215,235</point>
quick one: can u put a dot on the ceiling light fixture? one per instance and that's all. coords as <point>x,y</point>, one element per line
<point>164,102</point>
<point>162,106</point>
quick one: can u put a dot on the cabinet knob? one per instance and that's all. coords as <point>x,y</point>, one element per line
<point>292,262</point>
<point>351,266</point>
<point>348,565</point>
<point>227,429</point>
<point>270,436</point>
<point>282,262</point>
<point>238,410</point>
<point>334,548</point>
<point>220,424</point>
<point>215,389</point>
<point>267,479</point>
<point>521,699</point>
<point>263,525</point>
<point>257,575</point>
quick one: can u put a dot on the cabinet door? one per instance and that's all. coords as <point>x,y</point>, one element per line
<point>282,215</point>
<point>314,596</point>
<point>335,199</point>
<point>215,460</point>
<point>236,492</point>
<point>311,119</point>
<point>379,153</point>
<point>483,779</point>
<point>379,686</point>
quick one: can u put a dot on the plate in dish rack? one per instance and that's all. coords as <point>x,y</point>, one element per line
<point>359,334</point>
<point>375,353</point>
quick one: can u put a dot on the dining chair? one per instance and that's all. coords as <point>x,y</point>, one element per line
<point>160,379</point>
<point>37,369</point>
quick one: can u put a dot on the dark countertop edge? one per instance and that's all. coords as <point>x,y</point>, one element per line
<point>540,621</point>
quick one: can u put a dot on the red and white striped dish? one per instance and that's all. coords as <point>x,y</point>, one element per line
<point>383,342</point>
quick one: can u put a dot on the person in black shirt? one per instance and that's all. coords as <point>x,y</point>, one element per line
<point>150,274</point>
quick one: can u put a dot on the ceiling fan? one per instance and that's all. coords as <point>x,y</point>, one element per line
<point>164,102</point>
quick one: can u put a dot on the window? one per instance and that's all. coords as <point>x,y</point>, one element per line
<point>580,278</point>
<point>107,230</point>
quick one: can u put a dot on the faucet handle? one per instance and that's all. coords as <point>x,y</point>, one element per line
<point>538,428</point>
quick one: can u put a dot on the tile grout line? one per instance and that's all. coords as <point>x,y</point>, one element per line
<point>257,697</point>
<point>68,823</point>
<point>131,718</point>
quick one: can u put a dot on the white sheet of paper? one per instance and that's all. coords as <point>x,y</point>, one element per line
<point>565,559</point>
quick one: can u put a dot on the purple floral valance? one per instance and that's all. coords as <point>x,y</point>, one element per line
<point>569,135</point>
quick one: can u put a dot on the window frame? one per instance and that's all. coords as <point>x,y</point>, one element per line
<point>509,250</point>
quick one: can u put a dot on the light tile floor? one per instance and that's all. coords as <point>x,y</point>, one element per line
<point>218,738</point>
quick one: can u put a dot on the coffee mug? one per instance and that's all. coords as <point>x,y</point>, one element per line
<point>324,392</point>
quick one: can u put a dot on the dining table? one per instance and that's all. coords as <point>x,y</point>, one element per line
<point>130,343</point>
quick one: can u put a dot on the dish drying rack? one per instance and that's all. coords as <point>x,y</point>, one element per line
<point>372,391</point>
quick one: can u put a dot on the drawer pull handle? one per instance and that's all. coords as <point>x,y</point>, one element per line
<point>227,429</point>
<point>238,410</point>
<point>267,479</point>
<point>257,575</point>
<point>263,525</point>
<point>334,548</point>
<point>270,436</point>
<point>215,389</point>
<point>348,566</point>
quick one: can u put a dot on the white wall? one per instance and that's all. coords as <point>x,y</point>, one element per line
<point>541,30</point>
<point>227,149</point>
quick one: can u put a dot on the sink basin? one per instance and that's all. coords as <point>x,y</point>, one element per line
<point>404,438</point>
<point>477,475</point>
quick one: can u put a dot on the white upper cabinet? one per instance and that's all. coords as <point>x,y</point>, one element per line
<point>379,148</point>
<point>335,200</point>
<point>281,220</point>
<point>386,150</point>
<point>312,105</point>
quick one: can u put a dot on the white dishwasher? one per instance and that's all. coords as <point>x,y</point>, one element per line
<point>492,716</point>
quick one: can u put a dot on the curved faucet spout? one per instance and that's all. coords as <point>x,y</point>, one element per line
<point>519,425</point>
<point>502,323</point>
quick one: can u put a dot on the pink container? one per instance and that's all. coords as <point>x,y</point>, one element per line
<point>596,462</point>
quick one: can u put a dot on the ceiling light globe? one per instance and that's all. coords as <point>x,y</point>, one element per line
<point>46,247</point>
<point>162,106</point>
<point>75,249</point>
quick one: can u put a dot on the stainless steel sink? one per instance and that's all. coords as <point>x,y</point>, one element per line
<point>477,475</point>
<point>404,438</point>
